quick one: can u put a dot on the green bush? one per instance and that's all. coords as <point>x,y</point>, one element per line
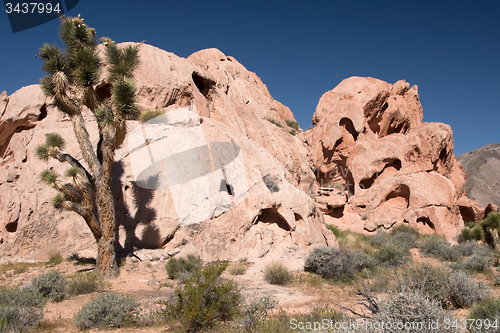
<point>238,268</point>
<point>336,263</point>
<point>435,287</point>
<point>51,285</point>
<point>175,267</point>
<point>468,248</point>
<point>464,289</point>
<point>255,312</point>
<point>379,239</point>
<point>438,247</point>
<point>410,308</point>
<point>477,262</point>
<point>488,309</point>
<point>404,240</point>
<point>108,310</point>
<point>86,283</point>
<point>20,310</point>
<point>405,229</point>
<point>204,299</point>
<point>277,273</point>
<point>274,122</point>
<point>293,124</point>
<point>391,255</point>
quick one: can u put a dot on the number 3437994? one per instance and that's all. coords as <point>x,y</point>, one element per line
<point>32,8</point>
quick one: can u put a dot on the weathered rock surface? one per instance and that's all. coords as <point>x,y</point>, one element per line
<point>272,217</point>
<point>370,149</point>
<point>482,167</point>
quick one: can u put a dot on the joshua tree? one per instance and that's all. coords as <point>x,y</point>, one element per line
<point>73,76</point>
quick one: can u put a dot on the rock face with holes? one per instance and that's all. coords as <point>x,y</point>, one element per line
<point>378,164</point>
<point>205,209</point>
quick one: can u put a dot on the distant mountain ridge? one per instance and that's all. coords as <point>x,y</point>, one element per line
<point>482,167</point>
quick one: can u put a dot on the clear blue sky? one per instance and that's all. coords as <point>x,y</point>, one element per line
<point>301,49</point>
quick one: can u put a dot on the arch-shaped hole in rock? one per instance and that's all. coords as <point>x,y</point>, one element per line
<point>103,91</point>
<point>337,212</point>
<point>271,215</point>
<point>349,126</point>
<point>375,120</point>
<point>468,214</point>
<point>400,194</point>
<point>394,163</point>
<point>43,113</point>
<point>203,84</point>
<point>426,221</point>
<point>11,226</point>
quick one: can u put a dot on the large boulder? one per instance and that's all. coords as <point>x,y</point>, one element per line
<point>232,184</point>
<point>371,151</point>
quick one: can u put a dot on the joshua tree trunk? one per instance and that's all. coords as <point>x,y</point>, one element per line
<point>71,80</point>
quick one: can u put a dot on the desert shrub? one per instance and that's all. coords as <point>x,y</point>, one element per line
<point>149,114</point>
<point>410,308</point>
<point>293,124</point>
<point>437,246</point>
<point>333,263</point>
<point>175,267</point>
<point>464,289</point>
<point>204,299</point>
<point>435,287</point>
<point>277,273</point>
<point>270,183</point>
<point>274,122</point>
<point>488,309</point>
<point>108,310</point>
<point>404,240</point>
<point>404,228</point>
<point>238,268</point>
<point>492,221</point>
<point>392,255</point>
<point>292,132</point>
<point>54,259</point>
<point>20,310</point>
<point>51,285</point>
<point>475,232</point>
<point>468,248</point>
<point>477,262</point>
<point>256,311</point>
<point>86,283</point>
<point>379,239</point>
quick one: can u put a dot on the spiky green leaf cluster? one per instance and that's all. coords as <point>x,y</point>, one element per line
<point>72,172</point>
<point>104,116</point>
<point>57,199</point>
<point>53,59</point>
<point>75,34</point>
<point>124,97</point>
<point>54,140</point>
<point>48,176</point>
<point>86,63</point>
<point>122,61</point>
<point>42,153</point>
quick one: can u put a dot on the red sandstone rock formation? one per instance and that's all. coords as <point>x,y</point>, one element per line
<point>379,165</point>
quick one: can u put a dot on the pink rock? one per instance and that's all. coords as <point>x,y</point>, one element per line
<point>370,138</point>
